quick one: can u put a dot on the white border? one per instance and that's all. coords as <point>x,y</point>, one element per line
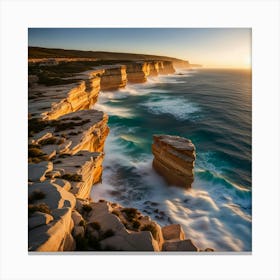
<point>262,16</point>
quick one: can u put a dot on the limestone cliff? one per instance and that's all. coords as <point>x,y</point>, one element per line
<point>114,77</point>
<point>80,97</point>
<point>137,72</point>
<point>174,159</point>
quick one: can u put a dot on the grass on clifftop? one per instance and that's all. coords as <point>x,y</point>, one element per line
<point>43,207</point>
<point>151,228</point>
<point>72,177</point>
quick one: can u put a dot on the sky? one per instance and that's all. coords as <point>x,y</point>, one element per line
<point>211,47</point>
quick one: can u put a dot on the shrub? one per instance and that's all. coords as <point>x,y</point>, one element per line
<point>82,223</point>
<point>60,141</point>
<point>116,213</point>
<point>36,195</point>
<point>35,152</point>
<point>72,133</point>
<point>151,228</point>
<point>76,118</point>
<point>43,207</point>
<point>108,233</point>
<point>131,213</point>
<point>48,141</point>
<point>81,243</point>
<point>136,224</point>
<point>87,208</point>
<point>72,177</point>
<point>35,160</point>
<point>94,242</point>
<point>95,225</point>
<point>36,125</point>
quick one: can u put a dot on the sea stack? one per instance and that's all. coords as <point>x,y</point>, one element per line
<point>174,159</point>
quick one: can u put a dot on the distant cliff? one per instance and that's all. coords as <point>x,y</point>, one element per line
<point>38,54</point>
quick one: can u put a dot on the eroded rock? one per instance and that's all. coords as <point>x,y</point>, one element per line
<point>182,245</point>
<point>174,158</point>
<point>174,232</point>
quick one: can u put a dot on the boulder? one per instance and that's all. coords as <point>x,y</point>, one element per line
<point>174,159</point>
<point>136,241</point>
<point>173,232</point>
<point>182,245</point>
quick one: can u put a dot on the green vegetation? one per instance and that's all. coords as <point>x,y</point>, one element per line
<point>43,207</point>
<point>95,225</point>
<point>109,57</point>
<point>76,118</point>
<point>136,224</point>
<point>116,213</point>
<point>87,208</point>
<point>36,195</point>
<point>35,126</point>
<point>107,233</point>
<point>82,243</point>
<point>72,177</point>
<point>131,213</point>
<point>94,242</point>
<point>82,223</point>
<point>35,155</point>
<point>151,228</point>
<point>35,152</point>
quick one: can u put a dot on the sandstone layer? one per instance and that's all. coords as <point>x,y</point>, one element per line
<point>174,159</point>
<point>114,77</point>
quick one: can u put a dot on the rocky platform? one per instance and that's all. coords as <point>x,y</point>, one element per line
<point>174,159</point>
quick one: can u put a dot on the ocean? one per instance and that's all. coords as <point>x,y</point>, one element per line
<point>211,107</point>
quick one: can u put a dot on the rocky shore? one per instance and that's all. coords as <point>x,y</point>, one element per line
<point>65,155</point>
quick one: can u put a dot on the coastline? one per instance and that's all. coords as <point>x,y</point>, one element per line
<point>60,139</point>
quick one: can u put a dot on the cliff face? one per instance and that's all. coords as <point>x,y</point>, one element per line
<point>81,97</point>
<point>114,77</point>
<point>174,159</point>
<point>137,72</point>
<point>167,68</point>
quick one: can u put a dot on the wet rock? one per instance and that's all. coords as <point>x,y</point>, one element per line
<point>174,232</point>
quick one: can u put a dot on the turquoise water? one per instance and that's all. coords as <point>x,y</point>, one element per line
<point>213,109</point>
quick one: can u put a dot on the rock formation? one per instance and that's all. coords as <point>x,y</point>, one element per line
<point>114,77</point>
<point>174,159</point>
<point>137,72</point>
